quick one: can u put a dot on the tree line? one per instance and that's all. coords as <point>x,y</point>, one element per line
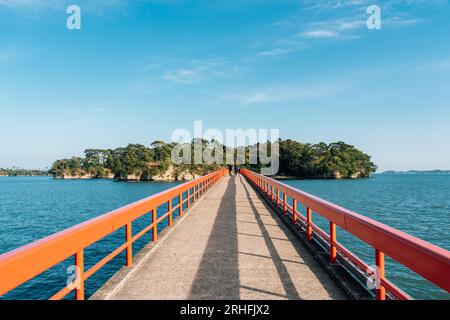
<point>296,159</point>
<point>134,159</point>
<point>334,160</point>
<point>15,172</point>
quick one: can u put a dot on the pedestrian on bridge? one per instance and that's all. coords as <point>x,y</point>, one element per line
<point>230,169</point>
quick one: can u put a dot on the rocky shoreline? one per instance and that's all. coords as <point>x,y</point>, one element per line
<point>169,175</point>
<point>334,176</point>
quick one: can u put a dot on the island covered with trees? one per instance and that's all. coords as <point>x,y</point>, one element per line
<point>19,172</point>
<point>137,162</point>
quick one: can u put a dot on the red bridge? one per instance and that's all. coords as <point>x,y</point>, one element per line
<point>240,237</point>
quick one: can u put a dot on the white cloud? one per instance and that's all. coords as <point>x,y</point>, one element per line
<point>333,21</point>
<point>281,93</point>
<point>39,8</point>
<point>275,52</point>
<point>184,76</point>
<point>91,5</point>
<point>196,71</point>
<point>314,34</point>
<point>27,6</point>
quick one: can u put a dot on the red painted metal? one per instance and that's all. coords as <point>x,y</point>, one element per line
<point>154,226</point>
<point>294,211</point>
<point>379,261</point>
<point>309,223</point>
<point>79,264</point>
<point>129,241</point>
<point>333,253</point>
<point>425,259</point>
<point>24,263</point>
<point>188,203</point>
<point>169,204</point>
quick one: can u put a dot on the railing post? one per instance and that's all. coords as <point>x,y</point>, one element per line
<point>271,194</point>
<point>170,213</point>
<point>79,267</point>
<point>180,201</point>
<point>294,211</point>
<point>332,242</point>
<point>128,238</point>
<point>278,197</point>
<point>284,203</point>
<point>379,261</point>
<point>188,198</point>
<point>155,225</point>
<point>309,223</point>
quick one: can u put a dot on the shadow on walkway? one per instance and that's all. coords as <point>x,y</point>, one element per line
<point>305,256</point>
<point>285,278</point>
<point>216,279</point>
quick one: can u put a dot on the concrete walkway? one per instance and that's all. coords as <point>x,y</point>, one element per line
<point>230,246</point>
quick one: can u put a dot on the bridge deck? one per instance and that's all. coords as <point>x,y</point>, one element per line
<point>230,246</point>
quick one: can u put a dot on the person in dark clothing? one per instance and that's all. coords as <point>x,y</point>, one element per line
<point>230,169</point>
<point>236,169</point>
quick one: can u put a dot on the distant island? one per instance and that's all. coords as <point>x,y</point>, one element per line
<point>19,172</point>
<point>137,162</point>
<point>417,172</point>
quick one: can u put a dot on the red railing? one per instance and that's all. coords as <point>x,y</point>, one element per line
<point>425,259</point>
<point>22,264</point>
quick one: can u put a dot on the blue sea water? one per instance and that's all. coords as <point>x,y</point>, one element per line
<point>35,207</point>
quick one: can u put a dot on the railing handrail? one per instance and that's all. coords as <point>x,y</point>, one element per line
<point>427,260</point>
<point>24,263</point>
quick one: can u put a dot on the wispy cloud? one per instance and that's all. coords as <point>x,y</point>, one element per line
<point>327,20</point>
<point>281,93</point>
<point>185,76</point>
<point>199,70</point>
<point>31,7</point>
<point>41,8</point>
<point>275,52</point>
<point>177,71</point>
<point>319,34</point>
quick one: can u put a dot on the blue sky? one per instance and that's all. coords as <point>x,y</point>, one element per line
<point>137,70</point>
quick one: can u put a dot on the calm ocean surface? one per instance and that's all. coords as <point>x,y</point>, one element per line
<point>35,207</point>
